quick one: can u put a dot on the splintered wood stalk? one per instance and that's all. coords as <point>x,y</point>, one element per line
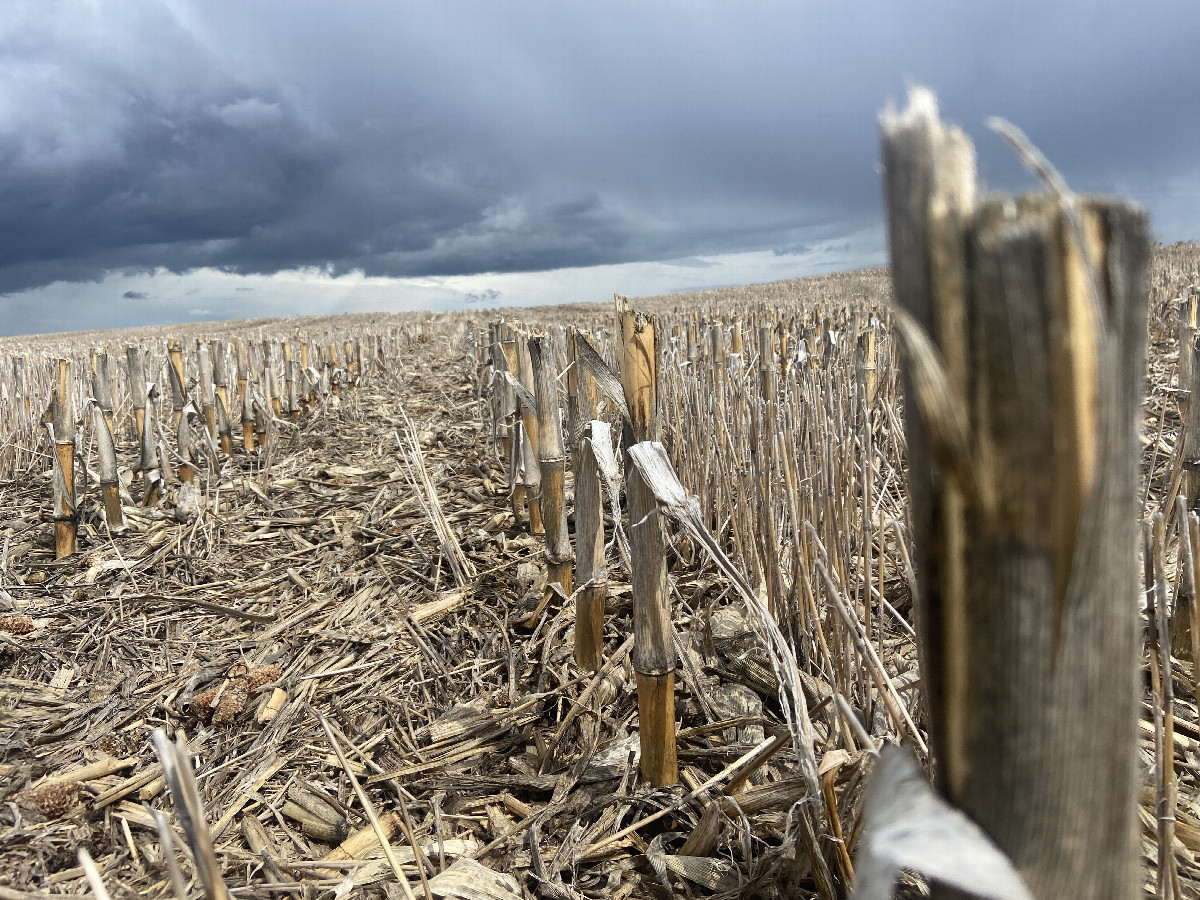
<point>137,389</point>
<point>275,398</point>
<point>306,387</point>
<point>323,386</point>
<point>183,443</point>
<point>865,373</point>
<point>290,378</point>
<point>165,464</point>
<point>109,486</point>
<point>491,375</point>
<point>102,385</point>
<point>1193,610</point>
<point>19,369</point>
<point>261,424</point>
<point>590,570</point>
<point>220,371</point>
<point>275,401</point>
<point>766,363</point>
<point>295,376</point>
<point>177,379</point>
<point>653,655</point>
<point>1186,325</point>
<point>716,340</point>
<point>508,362</point>
<point>207,389</point>
<point>1162,682</point>
<point>870,369</point>
<point>149,466</point>
<point>530,470</point>
<point>243,372</point>
<point>1190,350</point>
<point>224,433</point>
<point>716,337</point>
<point>334,374</point>
<point>552,460</point>
<point>62,418</point>
<point>572,393</point>
<point>247,419</point>
<point>266,380</point>
<point>1024,330</point>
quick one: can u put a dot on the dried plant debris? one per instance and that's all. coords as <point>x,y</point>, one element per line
<point>54,798</point>
<point>386,586</point>
<point>225,701</point>
<point>16,624</point>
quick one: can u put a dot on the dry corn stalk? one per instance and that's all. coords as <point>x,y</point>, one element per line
<point>102,385</point>
<point>62,421</point>
<point>150,464</point>
<point>177,379</point>
<point>207,389</point>
<point>649,459</point>
<point>414,467</point>
<point>591,572</point>
<point>552,460</point>
<point>248,429</point>
<point>136,372</point>
<point>510,403</point>
<point>1024,333</point>
<point>653,654</point>
<point>224,433</point>
<point>531,471</point>
<point>109,484</point>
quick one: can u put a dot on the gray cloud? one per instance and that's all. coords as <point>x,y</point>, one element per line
<point>692,262</point>
<point>488,297</point>
<point>134,295</point>
<point>471,138</point>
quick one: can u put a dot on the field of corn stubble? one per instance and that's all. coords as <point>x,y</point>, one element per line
<point>318,563</point>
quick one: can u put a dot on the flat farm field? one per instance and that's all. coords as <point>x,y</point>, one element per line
<point>295,635</point>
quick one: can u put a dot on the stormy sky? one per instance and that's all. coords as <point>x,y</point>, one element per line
<point>168,160</point>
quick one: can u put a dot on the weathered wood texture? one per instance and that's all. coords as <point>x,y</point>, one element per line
<point>530,470</point>
<point>1025,360</point>
<point>591,572</point>
<point>653,654</point>
<point>1189,372</point>
<point>552,460</point>
<point>62,419</point>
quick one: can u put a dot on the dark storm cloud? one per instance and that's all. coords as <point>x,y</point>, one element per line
<point>454,138</point>
<point>134,295</point>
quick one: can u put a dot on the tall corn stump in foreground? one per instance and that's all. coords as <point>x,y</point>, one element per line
<point>1025,361</point>
<point>653,656</point>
